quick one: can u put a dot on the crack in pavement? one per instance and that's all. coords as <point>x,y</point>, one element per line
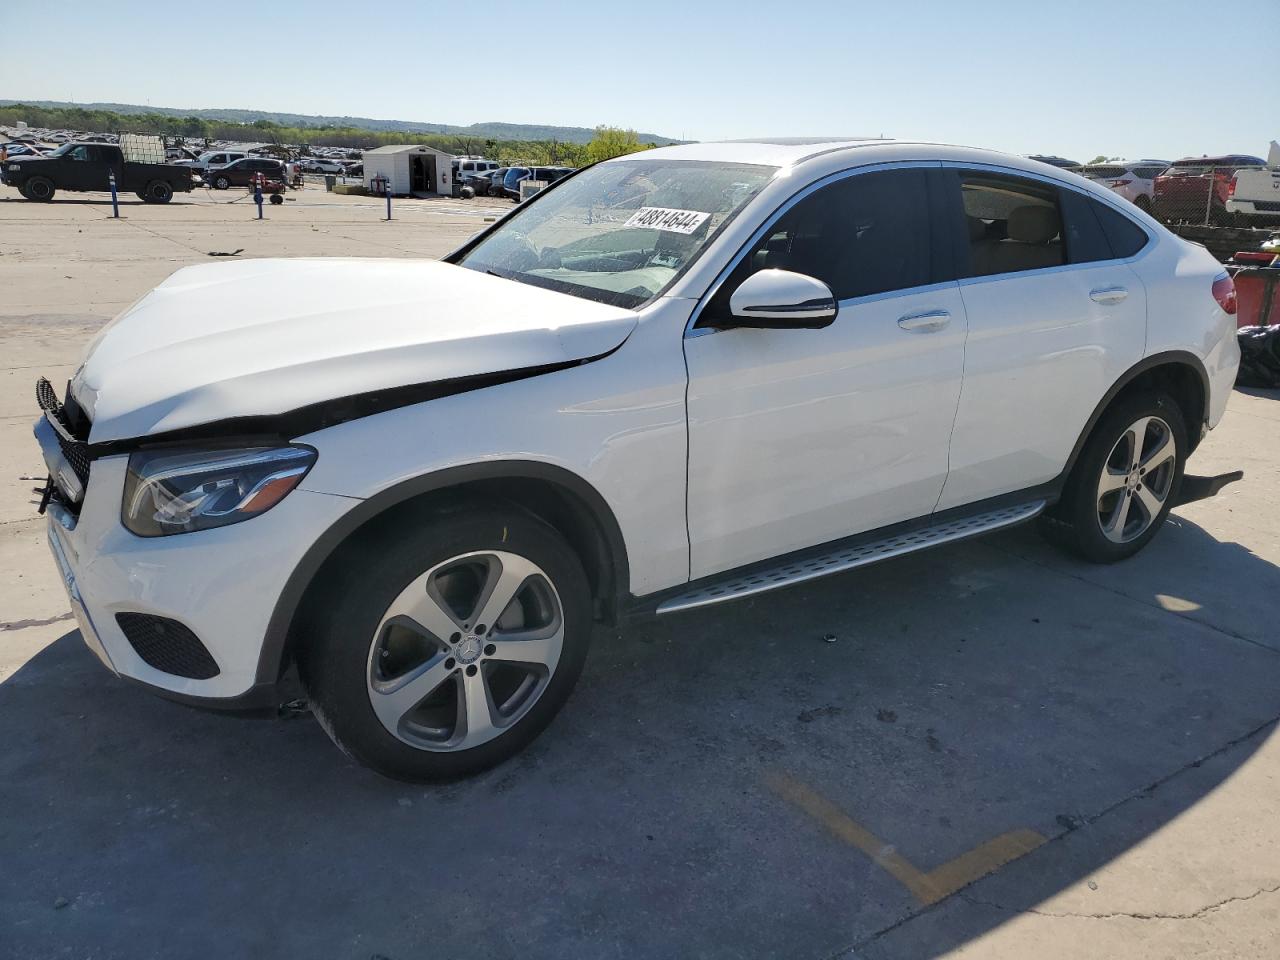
<point>42,622</point>
<point>1122,914</point>
<point>851,953</point>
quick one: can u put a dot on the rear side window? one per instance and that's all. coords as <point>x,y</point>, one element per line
<point>1094,231</point>
<point>1125,236</point>
<point>1013,224</point>
<point>865,234</point>
<point>1086,240</point>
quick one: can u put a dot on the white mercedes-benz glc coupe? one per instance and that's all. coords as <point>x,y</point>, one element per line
<point>670,380</point>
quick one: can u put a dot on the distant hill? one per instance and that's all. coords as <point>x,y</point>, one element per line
<point>490,130</point>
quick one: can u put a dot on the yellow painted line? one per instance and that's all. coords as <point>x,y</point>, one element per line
<point>927,887</point>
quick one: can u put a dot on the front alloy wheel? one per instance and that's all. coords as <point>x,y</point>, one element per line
<point>465,651</point>
<point>445,638</point>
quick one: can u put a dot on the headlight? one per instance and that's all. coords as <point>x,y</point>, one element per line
<point>178,491</point>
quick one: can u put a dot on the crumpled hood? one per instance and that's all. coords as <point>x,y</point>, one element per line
<point>261,337</point>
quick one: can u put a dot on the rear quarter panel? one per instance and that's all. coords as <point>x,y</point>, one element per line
<point>1183,315</point>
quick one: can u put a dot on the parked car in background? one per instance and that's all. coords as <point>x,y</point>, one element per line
<point>1253,196</point>
<point>12,150</point>
<point>1132,179</point>
<point>464,167</point>
<point>242,172</point>
<point>1054,161</point>
<point>87,166</point>
<point>321,165</point>
<point>493,188</point>
<point>1196,189</point>
<point>546,175</point>
<point>214,158</point>
<point>748,372</point>
<point>353,169</point>
<point>173,154</point>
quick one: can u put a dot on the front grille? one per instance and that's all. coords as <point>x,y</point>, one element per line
<point>73,422</point>
<point>167,645</point>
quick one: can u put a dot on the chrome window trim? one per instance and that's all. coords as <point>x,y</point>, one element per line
<point>691,331</point>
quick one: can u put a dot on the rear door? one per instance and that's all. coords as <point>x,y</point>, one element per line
<point>1055,317</point>
<point>800,437</point>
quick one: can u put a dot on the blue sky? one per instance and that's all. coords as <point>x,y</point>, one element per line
<point>1077,79</point>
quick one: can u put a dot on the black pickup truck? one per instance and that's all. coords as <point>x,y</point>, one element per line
<point>86,166</point>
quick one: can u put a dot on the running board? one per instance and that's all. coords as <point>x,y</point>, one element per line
<point>847,558</point>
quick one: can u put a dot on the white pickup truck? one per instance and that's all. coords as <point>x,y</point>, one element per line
<point>1254,194</point>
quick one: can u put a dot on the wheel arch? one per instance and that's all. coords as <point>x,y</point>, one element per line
<point>1176,372</point>
<point>558,496</point>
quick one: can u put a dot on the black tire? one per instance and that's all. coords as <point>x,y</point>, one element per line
<point>276,199</point>
<point>221,183</point>
<point>335,665</point>
<point>467,193</point>
<point>1076,522</point>
<point>158,191</point>
<point>39,189</point>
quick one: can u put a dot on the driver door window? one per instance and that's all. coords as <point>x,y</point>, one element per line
<point>860,236</point>
<point>798,437</point>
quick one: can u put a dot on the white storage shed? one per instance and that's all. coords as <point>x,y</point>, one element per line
<point>412,169</point>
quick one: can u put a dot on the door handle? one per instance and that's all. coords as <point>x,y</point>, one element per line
<point>925,322</point>
<point>1108,294</point>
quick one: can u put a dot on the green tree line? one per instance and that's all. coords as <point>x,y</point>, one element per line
<point>194,131</point>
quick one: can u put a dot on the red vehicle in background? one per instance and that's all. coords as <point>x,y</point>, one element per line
<point>1195,189</point>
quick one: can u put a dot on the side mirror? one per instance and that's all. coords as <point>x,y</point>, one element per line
<point>782,300</point>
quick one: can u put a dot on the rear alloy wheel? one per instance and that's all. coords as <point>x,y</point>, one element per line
<point>1136,480</point>
<point>1125,482</point>
<point>221,183</point>
<point>39,189</point>
<point>450,647</point>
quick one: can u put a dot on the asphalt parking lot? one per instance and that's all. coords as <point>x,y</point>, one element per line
<point>1001,753</point>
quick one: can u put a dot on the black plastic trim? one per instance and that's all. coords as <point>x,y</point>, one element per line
<point>1202,488</point>
<point>271,659</point>
<point>261,699</point>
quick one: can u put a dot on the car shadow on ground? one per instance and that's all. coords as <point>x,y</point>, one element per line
<point>1265,393</point>
<point>694,798</point>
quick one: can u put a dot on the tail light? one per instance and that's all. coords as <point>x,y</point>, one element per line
<point>1224,291</point>
<point>1118,183</point>
<point>1231,188</point>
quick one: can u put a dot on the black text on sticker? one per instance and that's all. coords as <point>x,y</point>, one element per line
<point>664,218</point>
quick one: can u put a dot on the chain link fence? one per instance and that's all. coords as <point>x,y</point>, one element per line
<point>1197,194</point>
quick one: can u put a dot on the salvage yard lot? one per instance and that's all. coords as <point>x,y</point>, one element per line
<point>987,750</point>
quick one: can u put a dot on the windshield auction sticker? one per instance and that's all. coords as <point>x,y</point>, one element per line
<point>664,218</point>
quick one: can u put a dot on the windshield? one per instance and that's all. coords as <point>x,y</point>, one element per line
<point>619,232</point>
<point>66,147</point>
